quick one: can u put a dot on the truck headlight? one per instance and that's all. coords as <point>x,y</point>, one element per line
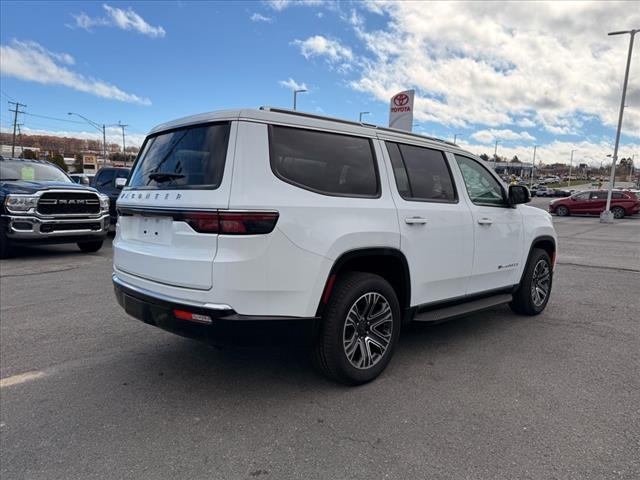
<point>20,203</point>
<point>104,203</point>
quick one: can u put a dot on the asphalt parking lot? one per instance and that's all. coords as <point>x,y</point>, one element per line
<point>87,392</point>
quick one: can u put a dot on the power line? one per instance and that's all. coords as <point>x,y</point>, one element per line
<point>8,97</point>
<point>54,118</point>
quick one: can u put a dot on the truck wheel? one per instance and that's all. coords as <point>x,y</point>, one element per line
<point>90,247</point>
<point>360,328</point>
<point>618,212</point>
<point>534,290</point>
<point>5,249</point>
<point>562,211</point>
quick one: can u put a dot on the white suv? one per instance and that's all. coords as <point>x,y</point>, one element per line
<point>273,214</point>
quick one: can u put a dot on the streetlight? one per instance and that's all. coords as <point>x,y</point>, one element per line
<point>97,126</point>
<point>570,165</point>
<point>361,114</point>
<point>607,216</point>
<point>295,96</point>
<point>533,163</point>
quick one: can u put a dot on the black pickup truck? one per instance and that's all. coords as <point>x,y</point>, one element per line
<point>40,204</point>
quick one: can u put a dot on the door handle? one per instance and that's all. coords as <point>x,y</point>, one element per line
<point>415,220</point>
<point>485,221</point>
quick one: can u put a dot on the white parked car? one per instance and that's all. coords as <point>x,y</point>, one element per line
<point>272,214</point>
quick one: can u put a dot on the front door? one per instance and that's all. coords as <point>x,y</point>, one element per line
<point>498,229</point>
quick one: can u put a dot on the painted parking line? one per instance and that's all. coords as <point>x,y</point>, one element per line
<point>21,378</point>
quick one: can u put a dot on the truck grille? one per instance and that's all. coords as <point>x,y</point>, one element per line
<point>68,203</point>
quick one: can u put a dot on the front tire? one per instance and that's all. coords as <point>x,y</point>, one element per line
<point>533,293</point>
<point>90,247</point>
<point>360,329</point>
<point>562,211</point>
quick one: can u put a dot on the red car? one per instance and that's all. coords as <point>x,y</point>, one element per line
<point>594,202</point>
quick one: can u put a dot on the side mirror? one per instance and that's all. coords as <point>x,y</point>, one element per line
<point>121,182</point>
<point>518,194</point>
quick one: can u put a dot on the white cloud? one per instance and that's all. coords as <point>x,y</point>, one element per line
<point>293,85</point>
<point>589,152</point>
<point>488,136</point>
<point>258,17</point>
<point>280,5</point>
<point>114,135</point>
<point>491,65</point>
<point>119,18</point>
<point>319,46</point>
<point>31,62</point>
<point>526,123</point>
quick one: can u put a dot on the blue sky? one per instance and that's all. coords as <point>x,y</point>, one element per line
<point>143,63</point>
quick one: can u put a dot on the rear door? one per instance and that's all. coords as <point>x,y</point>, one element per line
<point>181,178</point>
<point>436,233</point>
<point>498,229</point>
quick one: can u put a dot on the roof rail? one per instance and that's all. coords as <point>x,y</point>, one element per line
<point>351,122</point>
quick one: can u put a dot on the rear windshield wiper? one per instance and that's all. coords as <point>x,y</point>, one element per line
<point>161,177</point>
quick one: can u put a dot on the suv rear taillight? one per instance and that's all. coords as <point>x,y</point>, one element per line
<point>231,223</point>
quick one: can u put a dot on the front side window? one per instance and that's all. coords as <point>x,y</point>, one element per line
<point>188,157</point>
<point>328,163</point>
<point>421,173</point>
<point>483,188</point>
<point>581,196</point>
<point>599,195</point>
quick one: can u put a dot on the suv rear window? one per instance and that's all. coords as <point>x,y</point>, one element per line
<point>328,163</point>
<point>189,157</point>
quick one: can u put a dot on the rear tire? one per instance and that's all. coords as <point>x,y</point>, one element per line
<point>618,212</point>
<point>360,329</point>
<point>534,290</point>
<point>562,211</point>
<point>90,247</point>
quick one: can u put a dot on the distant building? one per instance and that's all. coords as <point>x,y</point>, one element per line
<point>5,150</point>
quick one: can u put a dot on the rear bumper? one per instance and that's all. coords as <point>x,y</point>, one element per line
<point>218,323</point>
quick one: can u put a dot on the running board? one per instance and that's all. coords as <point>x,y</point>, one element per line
<point>463,308</point>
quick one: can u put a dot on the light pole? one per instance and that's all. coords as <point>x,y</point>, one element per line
<point>495,155</point>
<point>533,164</point>
<point>455,137</point>
<point>570,165</point>
<point>295,96</point>
<point>361,114</point>
<point>102,128</point>
<point>607,216</point>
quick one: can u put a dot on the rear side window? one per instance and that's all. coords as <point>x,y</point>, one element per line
<point>421,173</point>
<point>328,163</point>
<point>189,157</point>
<point>619,196</point>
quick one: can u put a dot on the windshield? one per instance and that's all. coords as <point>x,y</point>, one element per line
<point>12,170</point>
<point>190,157</point>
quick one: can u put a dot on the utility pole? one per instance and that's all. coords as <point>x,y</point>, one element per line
<point>124,150</point>
<point>533,163</point>
<point>15,111</point>
<point>570,164</point>
<point>495,155</point>
<point>607,216</point>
